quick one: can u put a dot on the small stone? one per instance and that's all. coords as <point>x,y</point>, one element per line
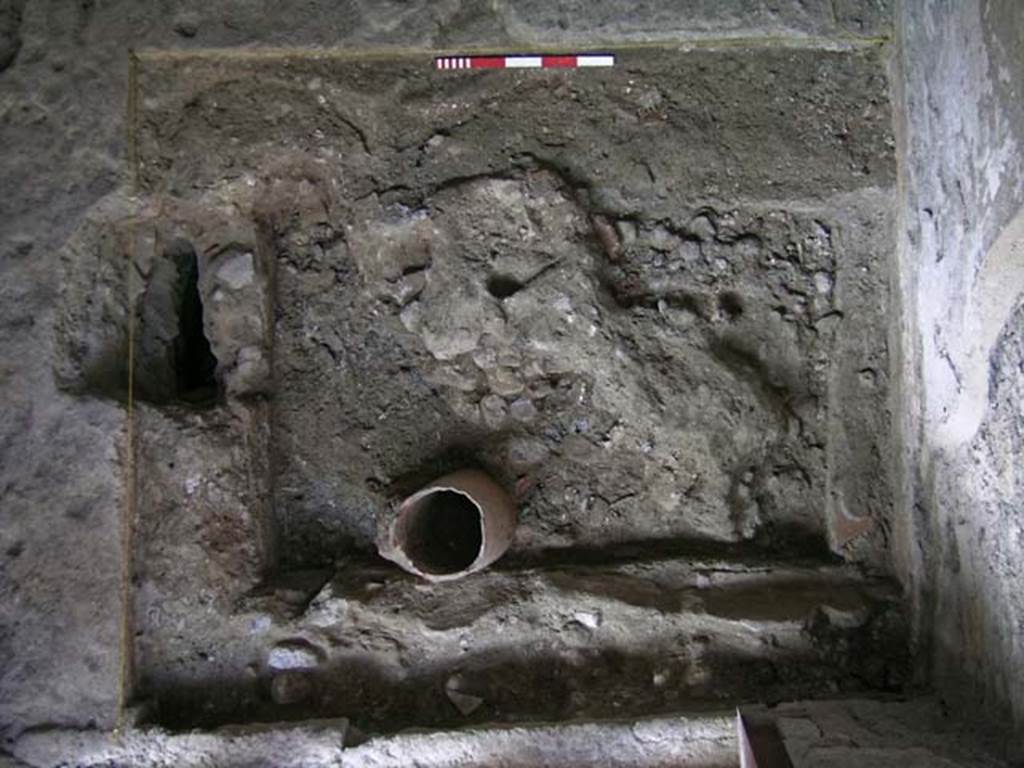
<point>822,282</point>
<point>703,227</point>
<point>294,597</point>
<point>577,447</point>
<point>237,271</point>
<point>407,288</point>
<point>523,410</point>
<point>829,323</point>
<point>290,687</point>
<point>553,366</point>
<point>649,99</point>
<point>526,453</point>
<point>251,372</point>
<point>18,247</point>
<point>186,24</point>
<point>627,231</point>
<point>509,358</point>
<point>608,236</point>
<point>747,247</point>
<point>494,411</point>
<point>689,252</point>
<point>587,619</point>
<point>260,624</point>
<point>458,377</point>
<point>504,381</point>
<point>293,655</point>
<point>843,618</point>
<point>485,358</point>
<point>660,239</point>
<point>466,703</point>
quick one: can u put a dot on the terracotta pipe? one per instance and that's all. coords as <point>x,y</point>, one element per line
<point>456,525</point>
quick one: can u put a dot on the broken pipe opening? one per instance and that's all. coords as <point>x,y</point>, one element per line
<point>456,525</point>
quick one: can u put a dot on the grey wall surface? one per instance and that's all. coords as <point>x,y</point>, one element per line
<point>961,276</point>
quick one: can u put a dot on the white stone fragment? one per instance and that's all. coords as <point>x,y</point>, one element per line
<point>292,656</point>
<point>237,271</point>
<point>466,703</point>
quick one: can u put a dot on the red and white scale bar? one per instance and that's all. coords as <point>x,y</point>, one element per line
<point>524,62</point>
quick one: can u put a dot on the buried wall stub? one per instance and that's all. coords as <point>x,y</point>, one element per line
<point>649,301</point>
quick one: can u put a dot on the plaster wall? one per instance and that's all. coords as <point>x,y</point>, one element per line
<point>961,275</point>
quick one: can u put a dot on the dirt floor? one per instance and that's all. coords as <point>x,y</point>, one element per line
<point>648,301</point>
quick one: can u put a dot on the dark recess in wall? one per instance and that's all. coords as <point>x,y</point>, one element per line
<point>194,362</point>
